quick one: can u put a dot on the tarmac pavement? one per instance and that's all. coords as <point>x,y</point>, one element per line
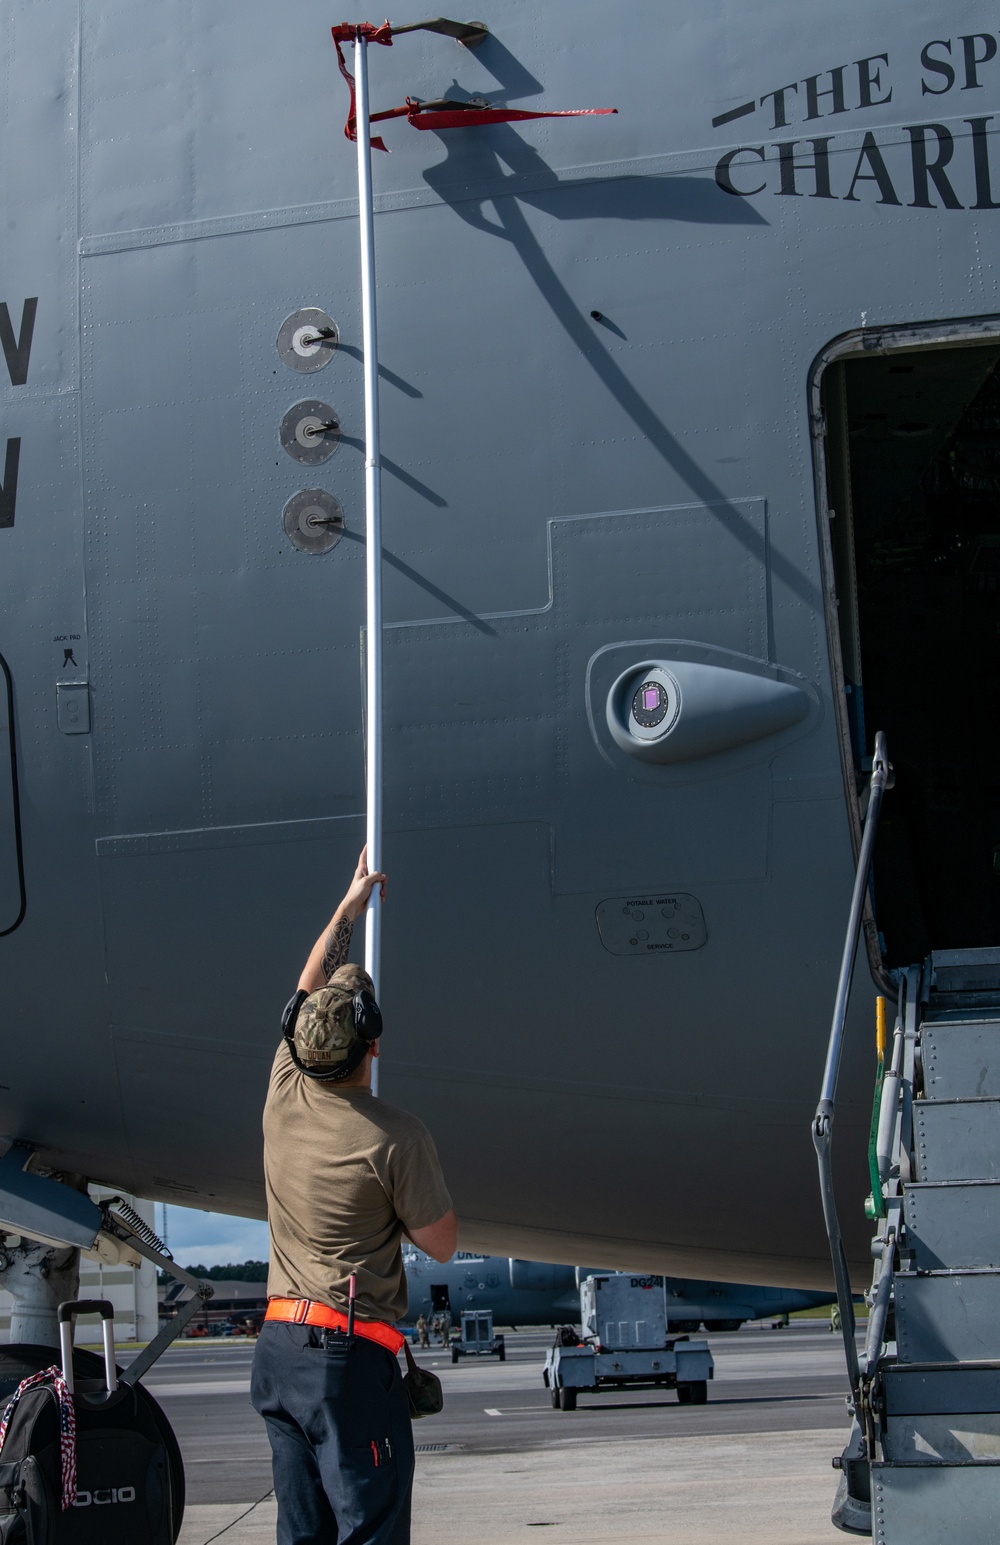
<point>751,1466</point>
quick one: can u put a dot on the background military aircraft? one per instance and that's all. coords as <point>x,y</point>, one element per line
<point>539,1293</point>
<point>691,435</point>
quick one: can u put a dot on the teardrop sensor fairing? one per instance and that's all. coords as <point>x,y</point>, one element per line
<point>679,710</point>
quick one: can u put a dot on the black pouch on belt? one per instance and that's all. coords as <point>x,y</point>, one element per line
<point>423,1388</point>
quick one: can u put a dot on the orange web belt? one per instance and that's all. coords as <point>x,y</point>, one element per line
<point>303,1311</point>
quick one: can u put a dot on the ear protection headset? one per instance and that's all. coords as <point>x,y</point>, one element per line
<point>367,1028</point>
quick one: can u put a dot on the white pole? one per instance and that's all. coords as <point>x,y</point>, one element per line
<point>373,524</point>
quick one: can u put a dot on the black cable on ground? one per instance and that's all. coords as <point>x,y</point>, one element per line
<point>235,1521</point>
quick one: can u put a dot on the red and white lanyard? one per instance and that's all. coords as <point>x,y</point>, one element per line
<point>67,1424</point>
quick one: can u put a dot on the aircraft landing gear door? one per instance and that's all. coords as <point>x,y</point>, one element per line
<point>12,898</point>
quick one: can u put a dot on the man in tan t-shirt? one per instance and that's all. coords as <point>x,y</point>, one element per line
<point>346,1176</point>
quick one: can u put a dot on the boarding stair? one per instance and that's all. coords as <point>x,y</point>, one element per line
<point>922,1464</point>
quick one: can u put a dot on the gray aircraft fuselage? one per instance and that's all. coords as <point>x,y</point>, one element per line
<point>538,1293</point>
<point>621,803</point>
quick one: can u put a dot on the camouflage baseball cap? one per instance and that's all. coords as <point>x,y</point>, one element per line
<point>324,1030</point>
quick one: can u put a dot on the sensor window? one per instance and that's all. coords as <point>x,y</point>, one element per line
<point>650,705</point>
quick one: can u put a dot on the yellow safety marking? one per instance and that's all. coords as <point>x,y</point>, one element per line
<point>880,1027</point>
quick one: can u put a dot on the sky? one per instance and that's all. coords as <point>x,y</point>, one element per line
<point>211,1238</point>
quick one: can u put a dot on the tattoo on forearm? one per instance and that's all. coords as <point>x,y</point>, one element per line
<point>338,942</point>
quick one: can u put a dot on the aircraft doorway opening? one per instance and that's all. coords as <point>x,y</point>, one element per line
<point>440,1302</point>
<point>12,897</point>
<point>913,495</point>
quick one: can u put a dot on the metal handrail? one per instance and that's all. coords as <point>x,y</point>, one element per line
<point>878,1313</point>
<point>885,1144</point>
<point>822,1126</point>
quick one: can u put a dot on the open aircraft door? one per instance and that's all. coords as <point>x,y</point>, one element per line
<point>909,484</point>
<point>12,897</point>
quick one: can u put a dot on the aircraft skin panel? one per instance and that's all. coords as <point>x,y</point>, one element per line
<point>564,493</point>
<point>57,1077</point>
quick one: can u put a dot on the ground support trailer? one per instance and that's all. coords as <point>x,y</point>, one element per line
<point>627,1345</point>
<point>477,1337</point>
<point>682,1364</point>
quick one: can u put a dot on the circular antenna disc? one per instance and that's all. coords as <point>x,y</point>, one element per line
<point>310,431</point>
<point>307,339</point>
<point>313,521</point>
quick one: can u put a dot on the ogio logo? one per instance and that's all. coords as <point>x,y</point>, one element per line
<point>106,1495</point>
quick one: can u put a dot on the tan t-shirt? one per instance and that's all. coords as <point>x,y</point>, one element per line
<point>344,1172</point>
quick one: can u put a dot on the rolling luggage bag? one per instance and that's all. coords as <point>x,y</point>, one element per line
<point>86,1461</point>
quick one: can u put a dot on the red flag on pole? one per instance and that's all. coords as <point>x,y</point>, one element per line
<point>434,115</point>
<point>346,33</point>
<point>423,115</point>
<point>463,115</point>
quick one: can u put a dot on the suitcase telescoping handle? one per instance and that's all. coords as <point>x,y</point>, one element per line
<point>66,1314</point>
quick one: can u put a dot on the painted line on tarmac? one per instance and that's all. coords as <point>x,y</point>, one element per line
<point>231,1459</point>
<point>660,1405</point>
<point>222,1387</point>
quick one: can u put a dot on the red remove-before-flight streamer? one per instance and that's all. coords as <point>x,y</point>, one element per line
<point>433,115</point>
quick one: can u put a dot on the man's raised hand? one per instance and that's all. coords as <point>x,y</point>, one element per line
<point>361,887</point>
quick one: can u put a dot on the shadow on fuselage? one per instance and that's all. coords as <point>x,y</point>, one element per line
<point>478,164</point>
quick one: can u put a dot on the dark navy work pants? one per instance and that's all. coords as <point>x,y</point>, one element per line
<point>338,1420</point>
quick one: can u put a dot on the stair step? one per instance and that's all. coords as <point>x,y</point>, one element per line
<point>935,1504</point>
<point>957,1139</point>
<point>953,1223</point>
<point>976,970</point>
<point>947,1317</point>
<point>936,1397</point>
<point>961,1058</point>
<point>938,1438</point>
<point>912,1388</point>
<point>942,1414</point>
